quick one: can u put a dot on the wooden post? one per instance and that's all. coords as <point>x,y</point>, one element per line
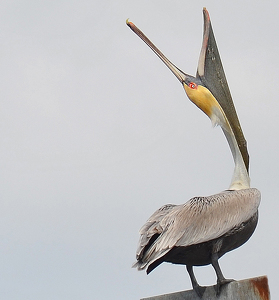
<point>247,289</point>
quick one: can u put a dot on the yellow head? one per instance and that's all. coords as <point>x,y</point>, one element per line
<point>204,100</point>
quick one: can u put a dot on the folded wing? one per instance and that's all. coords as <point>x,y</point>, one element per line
<point>199,220</point>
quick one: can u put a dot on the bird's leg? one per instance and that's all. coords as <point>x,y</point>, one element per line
<point>197,288</point>
<point>221,280</point>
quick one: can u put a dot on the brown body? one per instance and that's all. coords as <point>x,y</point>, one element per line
<point>201,254</point>
<point>203,229</point>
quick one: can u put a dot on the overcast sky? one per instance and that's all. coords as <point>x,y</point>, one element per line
<point>96,134</point>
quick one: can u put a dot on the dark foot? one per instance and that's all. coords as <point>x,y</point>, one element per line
<point>196,287</point>
<point>199,290</point>
<point>220,283</point>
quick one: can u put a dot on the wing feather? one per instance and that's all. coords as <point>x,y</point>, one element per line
<point>199,220</point>
<point>151,228</point>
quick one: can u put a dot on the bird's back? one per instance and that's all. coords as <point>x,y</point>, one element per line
<point>199,220</point>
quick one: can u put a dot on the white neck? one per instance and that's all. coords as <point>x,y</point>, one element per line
<point>240,179</point>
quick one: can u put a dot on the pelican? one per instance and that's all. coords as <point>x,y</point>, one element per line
<point>203,229</point>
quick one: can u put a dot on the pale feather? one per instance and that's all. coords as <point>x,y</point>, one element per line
<point>199,220</point>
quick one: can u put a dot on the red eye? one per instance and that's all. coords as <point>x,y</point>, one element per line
<point>193,85</point>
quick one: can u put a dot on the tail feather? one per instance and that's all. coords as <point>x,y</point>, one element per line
<point>139,265</point>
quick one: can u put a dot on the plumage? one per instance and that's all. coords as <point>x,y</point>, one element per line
<point>199,220</point>
<point>203,229</point>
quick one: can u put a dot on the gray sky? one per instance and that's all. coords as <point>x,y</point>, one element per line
<point>96,134</point>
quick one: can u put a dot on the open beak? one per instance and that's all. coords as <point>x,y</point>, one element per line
<point>211,75</point>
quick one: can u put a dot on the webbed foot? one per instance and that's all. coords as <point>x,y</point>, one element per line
<point>199,290</point>
<point>220,283</point>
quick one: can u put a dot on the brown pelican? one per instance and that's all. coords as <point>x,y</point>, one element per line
<point>203,229</point>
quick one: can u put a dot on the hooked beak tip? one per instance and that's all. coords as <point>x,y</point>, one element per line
<point>130,24</point>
